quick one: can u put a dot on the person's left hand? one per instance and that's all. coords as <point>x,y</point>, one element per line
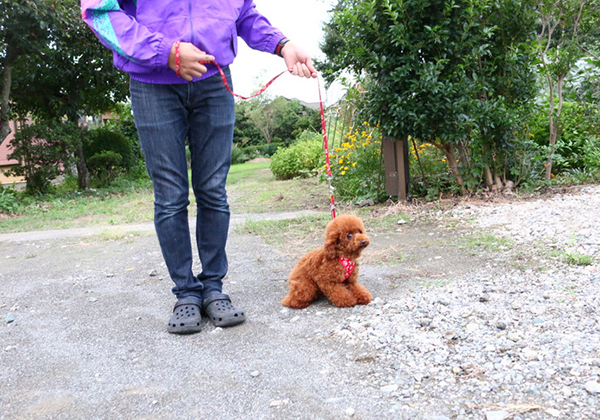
<point>298,61</point>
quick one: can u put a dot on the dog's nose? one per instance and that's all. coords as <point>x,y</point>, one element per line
<point>364,243</point>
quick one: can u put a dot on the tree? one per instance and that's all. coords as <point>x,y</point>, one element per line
<point>245,132</point>
<point>68,75</point>
<point>281,118</point>
<point>71,75</point>
<point>568,31</point>
<point>440,71</point>
<point>44,148</point>
<point>25,26</point>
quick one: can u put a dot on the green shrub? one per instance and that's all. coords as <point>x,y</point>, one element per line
<point>238,155</point>
<point>356,167</point>
<point>106,140</point>
<point>47,150</point>
<point>268,150</point>
<point>302,159</point>
<point>104,166</point>
<point>429,173</point>
<point>9,202</point>
<point>125,125</point>
<point>577,146</point>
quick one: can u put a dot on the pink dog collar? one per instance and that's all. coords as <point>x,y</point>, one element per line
<point>348,266</point>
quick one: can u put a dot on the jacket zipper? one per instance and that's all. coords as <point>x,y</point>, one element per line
<point>191,23</point>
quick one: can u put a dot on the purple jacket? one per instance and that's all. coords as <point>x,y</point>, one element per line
<point>141,32</point>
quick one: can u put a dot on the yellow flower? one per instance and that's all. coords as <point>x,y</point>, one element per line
<point>354,163</point>
<point>343,172</point>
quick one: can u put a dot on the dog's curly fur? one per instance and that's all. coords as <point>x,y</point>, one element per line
<point>321,273</point>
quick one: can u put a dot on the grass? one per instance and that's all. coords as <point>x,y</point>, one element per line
<point>576,258</point>
<point>257,191</point>
<point>81,210</point>
<point>485,241</point>
<point>241,171</point>
<point>279,232</point>
<point>251,188</point>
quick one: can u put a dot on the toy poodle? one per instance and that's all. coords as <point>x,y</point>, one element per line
<point>332,270</point>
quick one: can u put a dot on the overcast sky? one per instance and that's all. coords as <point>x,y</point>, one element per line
<point>302,22</point>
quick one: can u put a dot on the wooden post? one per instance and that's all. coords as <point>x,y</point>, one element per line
<point>395,159</point>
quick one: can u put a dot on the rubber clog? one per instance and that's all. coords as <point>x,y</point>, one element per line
<point>221,312</point>
<point>186,317</point>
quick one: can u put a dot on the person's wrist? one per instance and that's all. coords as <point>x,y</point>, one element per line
<point>280,45</point>
<point>177,58</point>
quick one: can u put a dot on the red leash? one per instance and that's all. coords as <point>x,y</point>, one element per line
<point>323,125</point>
<point>261,90</point>
<point>326,146</point>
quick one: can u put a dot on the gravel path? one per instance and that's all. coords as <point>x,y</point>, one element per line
<point>514,334</point>
<point>501,342</point>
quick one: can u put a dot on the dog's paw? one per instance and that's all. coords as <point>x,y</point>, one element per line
<point>294,303</point>
<point>345,303</point>
<point>364,298</point>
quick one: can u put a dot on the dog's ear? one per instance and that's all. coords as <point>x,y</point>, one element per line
<point>331,242</point>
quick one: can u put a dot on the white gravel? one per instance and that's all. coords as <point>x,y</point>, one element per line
<point>569,221</point>
<point>502,342</point>
<point>517,337</point>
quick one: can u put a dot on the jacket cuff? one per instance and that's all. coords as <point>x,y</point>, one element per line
<point>162,55</point>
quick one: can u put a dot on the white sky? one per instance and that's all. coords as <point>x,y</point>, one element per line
<point>302,22</point>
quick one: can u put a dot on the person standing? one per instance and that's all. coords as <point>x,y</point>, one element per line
<point>177,95</point>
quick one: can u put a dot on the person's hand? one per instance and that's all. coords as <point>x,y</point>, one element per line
<point>298,61</point>
<point>190,59</point>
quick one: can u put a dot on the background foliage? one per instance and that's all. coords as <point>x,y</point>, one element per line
<point>494,95</point>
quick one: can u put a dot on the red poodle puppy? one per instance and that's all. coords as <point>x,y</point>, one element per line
<point>332,270</point>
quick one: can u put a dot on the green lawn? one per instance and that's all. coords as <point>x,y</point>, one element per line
<point>251,188</point>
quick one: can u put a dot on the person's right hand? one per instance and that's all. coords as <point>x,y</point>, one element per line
<point>190,58</point>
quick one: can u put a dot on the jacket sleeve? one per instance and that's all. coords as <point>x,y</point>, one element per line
<point>119,31</point>
<point>256,30</point>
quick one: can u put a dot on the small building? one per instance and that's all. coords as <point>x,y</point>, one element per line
<point>6,163</point>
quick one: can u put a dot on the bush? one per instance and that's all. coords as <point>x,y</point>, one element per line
<point>429,173</point>
<point>268,150</point>
<point>9,203</point>
<point>104,166</point>
<point>302,159</point>
<point>46,150</point>
<point>238,155</point>
<point>357,171</point>
<point>577,145</point>
<point>125,125</point>
<point>105,140</point>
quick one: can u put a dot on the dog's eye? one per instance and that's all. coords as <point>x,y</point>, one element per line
<point>350,236</point>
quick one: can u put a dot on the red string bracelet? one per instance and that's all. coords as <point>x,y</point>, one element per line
<point>177,61</point>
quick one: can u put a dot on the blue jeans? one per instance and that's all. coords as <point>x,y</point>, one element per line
<point>203,114</point>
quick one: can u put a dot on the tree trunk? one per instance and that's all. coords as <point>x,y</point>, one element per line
<point>83,174</point>
<point>6,85</point>
<point>448,151</point>
<point>489,178</point>
<point>498,184</point>
<point>553,122</point>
